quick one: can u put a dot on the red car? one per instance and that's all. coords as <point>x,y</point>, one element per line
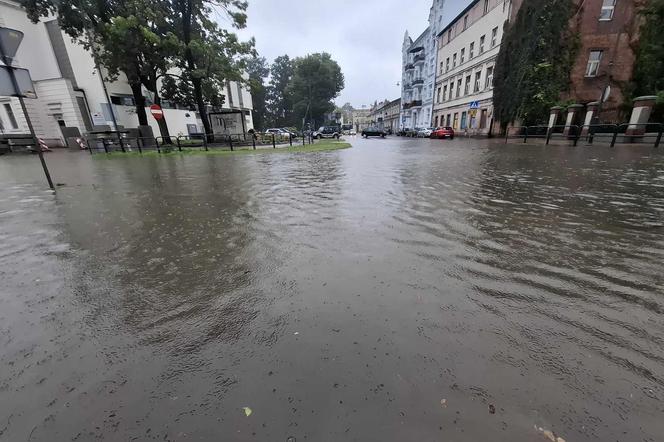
<point>443,132</point>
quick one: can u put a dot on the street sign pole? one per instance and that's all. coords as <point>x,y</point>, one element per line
<point>7,60</point>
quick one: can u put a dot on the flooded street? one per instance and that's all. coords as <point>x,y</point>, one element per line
<point>400,290</point>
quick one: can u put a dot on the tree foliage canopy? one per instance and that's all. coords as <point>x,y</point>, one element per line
<point>649,66</point>
<point>258,71</point>
<point>279,103</point>
<point>535,61</point>
<point>317,80</point>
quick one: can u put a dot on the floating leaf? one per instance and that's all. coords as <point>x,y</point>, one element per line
<point>247,411</point>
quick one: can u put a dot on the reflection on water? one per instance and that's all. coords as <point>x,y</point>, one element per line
<point>394,291</point>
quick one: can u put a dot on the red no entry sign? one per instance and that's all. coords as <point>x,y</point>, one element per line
<point>156,112</point>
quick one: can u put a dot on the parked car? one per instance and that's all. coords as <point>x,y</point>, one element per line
<point>413,132</point>
<point>373,131</point>
<point>327,132</point>
<point>405,132</point>
<point>443,132</point>
<point>276,131</point>
<point>290,130</point>
<point>352,132</point>
<point>425,133</point>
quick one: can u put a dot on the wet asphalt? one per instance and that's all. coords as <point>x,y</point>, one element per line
<point>400,290</point>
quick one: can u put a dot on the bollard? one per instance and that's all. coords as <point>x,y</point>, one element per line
<point>205,142</point>
<point>548,135</point>
<point>659,136</point>
<point>525,134</point>
<point>230,142</point>
<point>178,143</point>
<point>103,142</point>
<point>253,141</point>
<point>156,141</point>
<point>577,135</point>
<point>274,145</point>
<point>138,143</point>
<point>290,139</point>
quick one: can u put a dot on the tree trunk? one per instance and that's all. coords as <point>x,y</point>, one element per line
<point>186,8</point>
<point>139,100</point>
<point>202,109</point>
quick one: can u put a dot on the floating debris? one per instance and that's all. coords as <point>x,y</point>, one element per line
<point>247,411</point>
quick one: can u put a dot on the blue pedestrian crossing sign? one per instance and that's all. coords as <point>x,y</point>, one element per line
<point>474,105</point>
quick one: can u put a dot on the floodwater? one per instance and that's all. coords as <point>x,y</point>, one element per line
<point>401,290</point>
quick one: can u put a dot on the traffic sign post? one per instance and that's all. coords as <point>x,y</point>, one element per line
<point>157,112</point>
<point>10,40</point>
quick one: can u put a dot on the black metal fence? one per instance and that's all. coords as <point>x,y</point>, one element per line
<point>112,143</point>
<point>646,133</point>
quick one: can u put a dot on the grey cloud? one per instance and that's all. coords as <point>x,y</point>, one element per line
<point>363,36</point>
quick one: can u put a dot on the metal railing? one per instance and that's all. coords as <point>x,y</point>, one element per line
<point>591,133</point>
<point>111,143</point>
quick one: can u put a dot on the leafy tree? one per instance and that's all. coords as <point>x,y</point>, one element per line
<point>104,28</point>
<point>279,102</point>
<point>535,61</point>
<point>209,56</point>
<point>258,71</point>
<point>317,80</point>
<point>649,66</point>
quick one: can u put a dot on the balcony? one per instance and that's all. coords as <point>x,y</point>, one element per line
<point>409,67</point>
<point>419,59</point>
<point>417,82</point>
<point>414,104</point>
<point>416,50</point>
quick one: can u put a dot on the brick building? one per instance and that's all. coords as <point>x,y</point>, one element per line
<point>608,32</point>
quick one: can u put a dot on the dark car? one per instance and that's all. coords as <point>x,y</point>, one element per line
<point>327,132</point>
<point>373,132</point>
<point>443,132</point>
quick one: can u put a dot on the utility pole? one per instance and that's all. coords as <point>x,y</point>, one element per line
<point>10,39</point>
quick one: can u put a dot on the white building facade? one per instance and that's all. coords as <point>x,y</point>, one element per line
<point>70,92</point>
<point>418,74</point>
<point>467,51</point>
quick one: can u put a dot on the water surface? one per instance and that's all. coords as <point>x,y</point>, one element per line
<point>398,290</point>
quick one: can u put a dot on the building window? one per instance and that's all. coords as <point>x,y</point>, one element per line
<point>478,74</point>
<point>455,125</point>
<point>463,55</point>
<point>458,92</point>
<point>471,52</point>
<point>438,92</point>
<point>608,6</point>
<point>449,35</point>
<point>489,78</point>
<point>465,23</point>
<point>11,116</point>
<point>482,38</point>
<point>466,89</point>
<point>444,92</point>
<point>486,6</point>
<point>494,36</point>
<point>436,123</point>
<point>122,100</point>
<point>447,64</point>
<point>441,67</point>
<point>454,59</point>
<point>593,63</point>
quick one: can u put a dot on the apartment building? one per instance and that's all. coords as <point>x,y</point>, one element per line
<point>467,51</point>
<point>418,74</point>
<point>385,115</point>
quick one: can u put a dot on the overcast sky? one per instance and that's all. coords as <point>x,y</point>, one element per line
<point>363,36</point>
